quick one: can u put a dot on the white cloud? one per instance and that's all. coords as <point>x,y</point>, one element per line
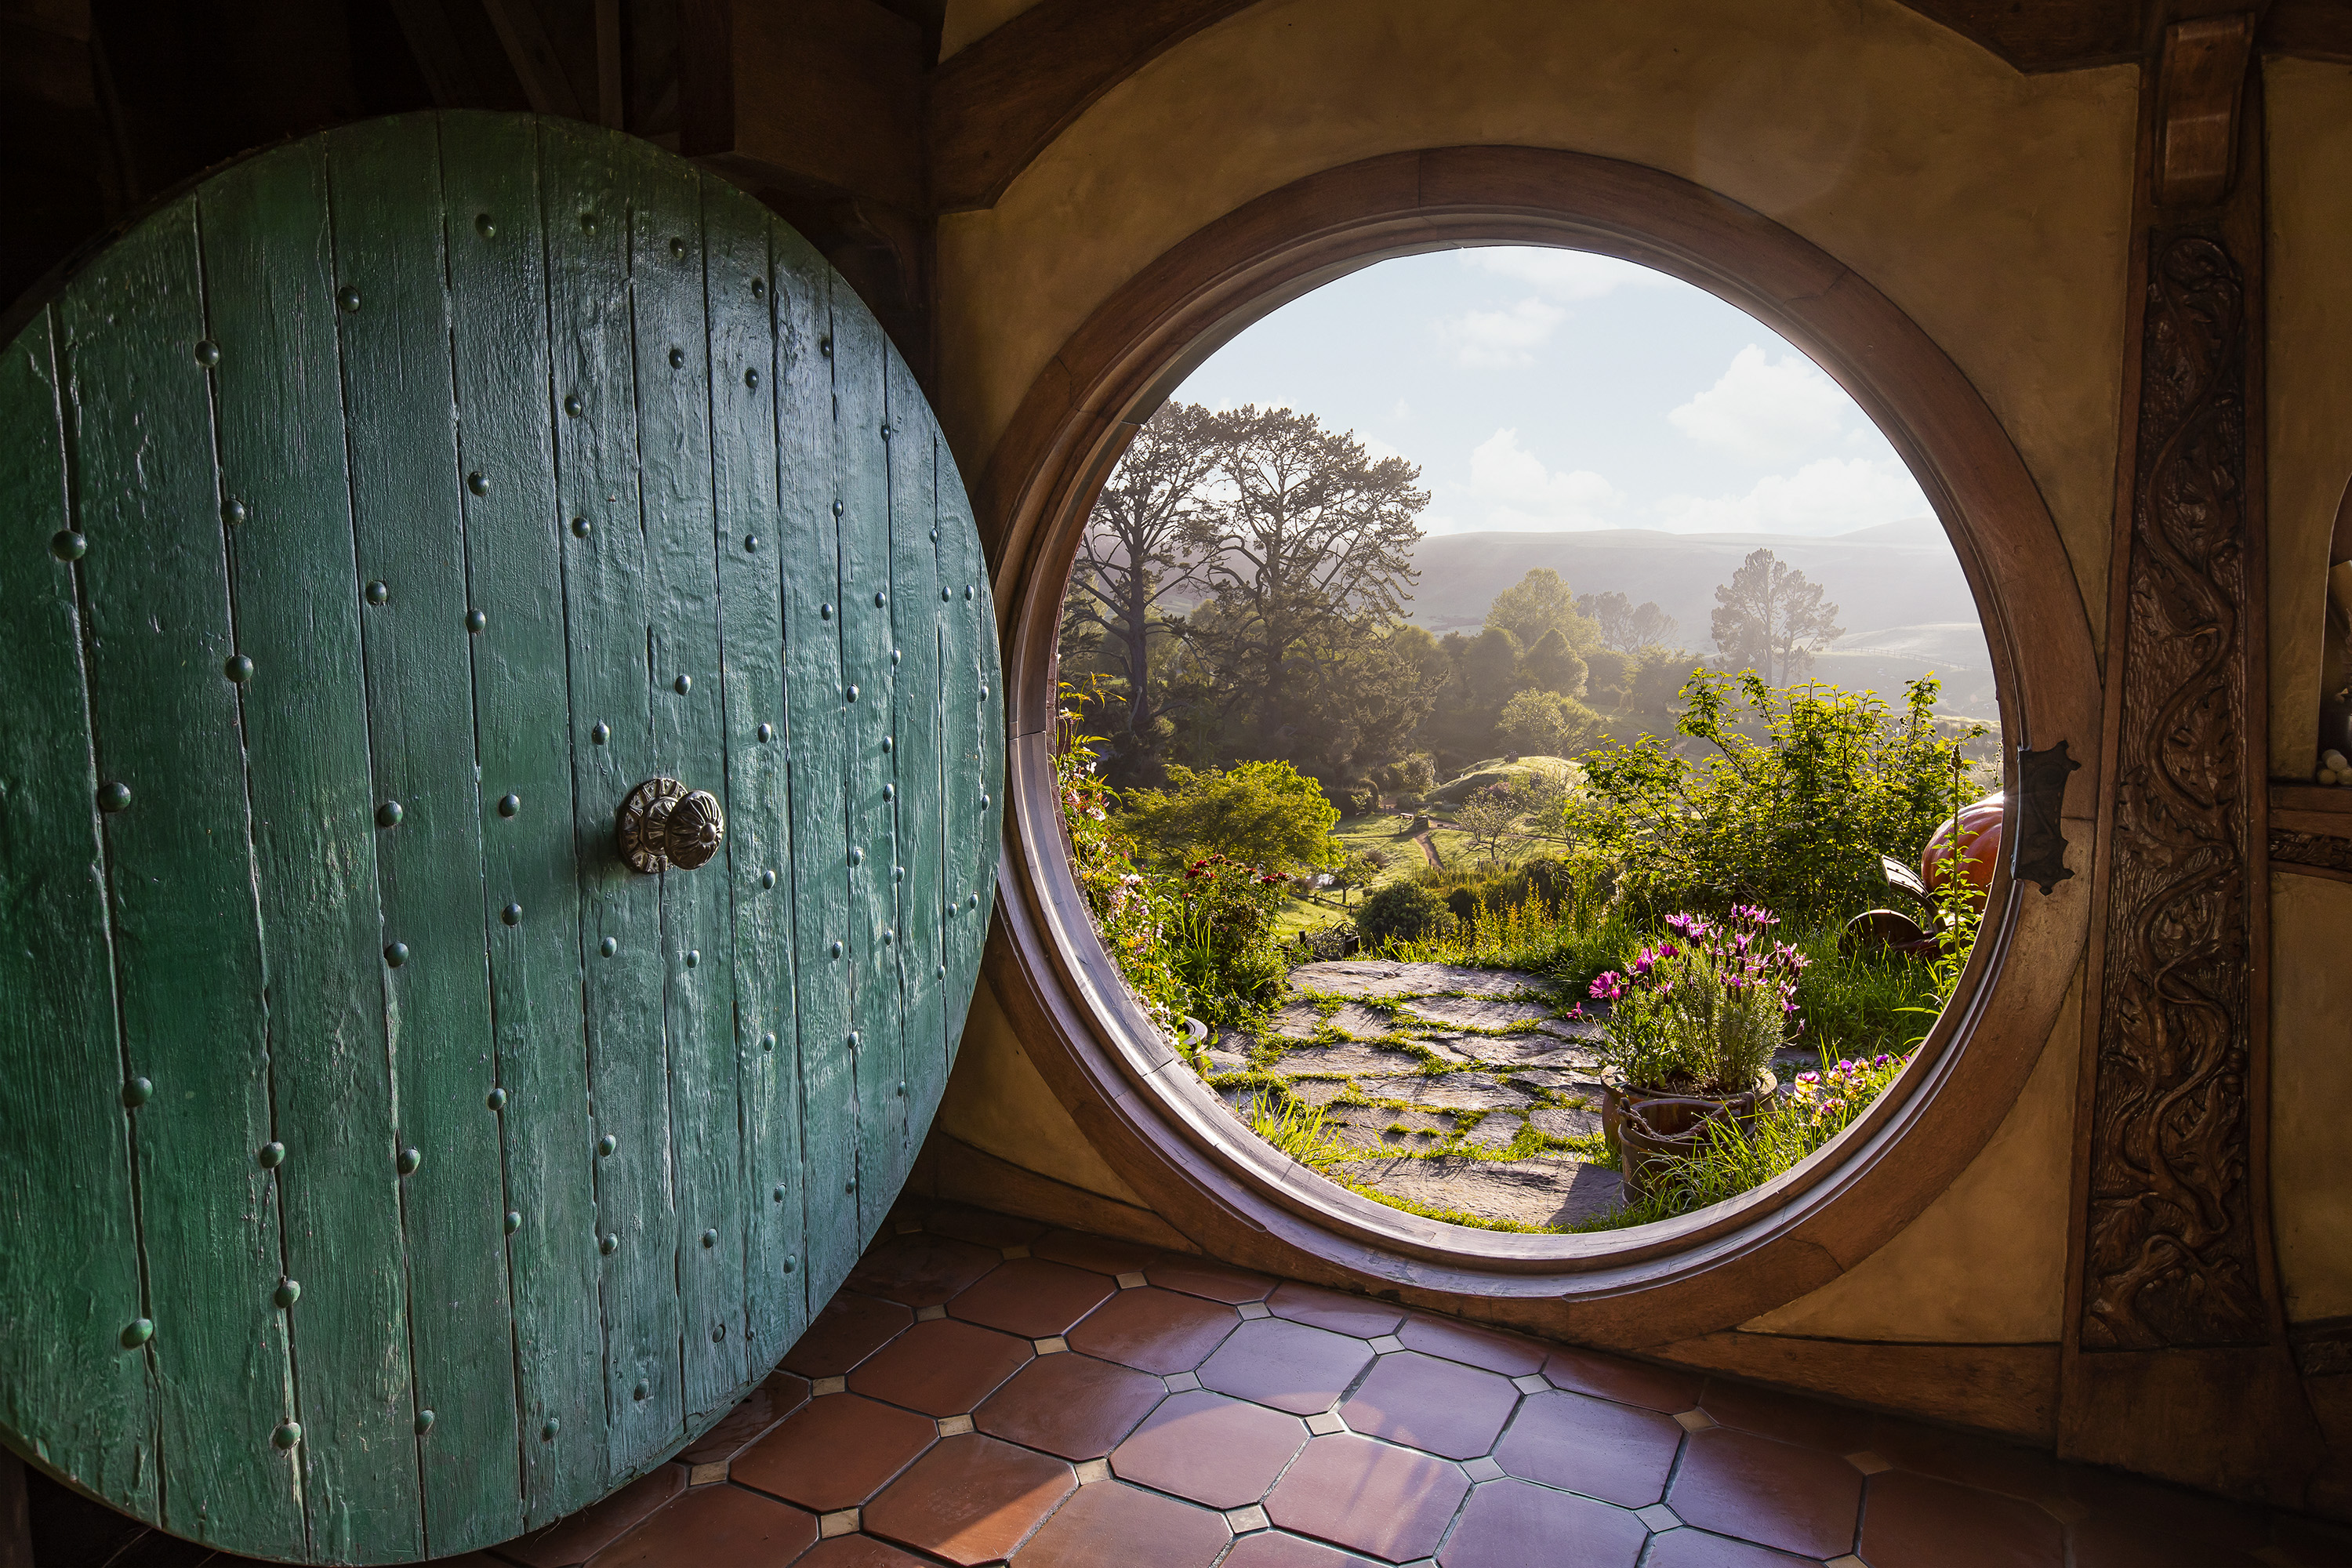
<point>1562,274</point>
<point>1495,340</point>
<point>1829,496</point>
<point>1402,410</point>
<point>1521,493</point>
<point>1765,411</point>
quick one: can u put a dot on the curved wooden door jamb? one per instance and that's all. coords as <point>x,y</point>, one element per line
<point>1159,1126</point>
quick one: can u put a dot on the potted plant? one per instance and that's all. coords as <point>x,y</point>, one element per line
<point>1692,1030</point>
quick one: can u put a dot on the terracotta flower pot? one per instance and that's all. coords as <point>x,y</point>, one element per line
<point>1655,1132</point>
<point>1616,1094</point>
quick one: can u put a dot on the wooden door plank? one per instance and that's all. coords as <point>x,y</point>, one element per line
<point>405,484</point>
<point>743,365</point>
<point>920,714</point>
<point>586,206</point>
<point>809,528</point>
<point>672,393</point>
<point>862,464</point>
<point>516,535</point>
<point>269,303</point>
<point>971,785</point>
<point>180,871</point>
<point>72,1391</point>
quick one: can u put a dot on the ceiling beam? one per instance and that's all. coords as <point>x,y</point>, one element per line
<point>993,106</point>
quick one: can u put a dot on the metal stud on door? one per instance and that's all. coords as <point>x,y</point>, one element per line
<point>488,828</point>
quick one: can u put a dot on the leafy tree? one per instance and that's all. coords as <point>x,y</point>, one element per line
<point>1262,813</point>
<point>1546,724</point>
<point>1490,666</point>
<point>1770,618</point>
<point>1609,677</point>
<point>1132,556</point>
<point>1658,678</point>
<point>1555,666</point>
<point>1305,541</point>
<point>1357,872</point>
<point>1487,816</point>
<point>1539,603</point>
<point>1623,624</point>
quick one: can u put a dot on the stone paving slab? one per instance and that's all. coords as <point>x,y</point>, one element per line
<point>1350,1060</point>
<point>1454,1091</point>
<point>1499,1130</point>
<point>1475,1011</point>
<point>1373,978</point>
<point>1560,1122</point>
<point>1298,1021</point>
<point>1547,1192</point>
<point>1359,1022</point>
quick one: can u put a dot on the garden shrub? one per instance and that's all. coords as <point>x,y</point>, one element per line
<point>1402,911</point>
<point>1796,819</point>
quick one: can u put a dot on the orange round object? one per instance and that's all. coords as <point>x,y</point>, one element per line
<point>1979,831</point>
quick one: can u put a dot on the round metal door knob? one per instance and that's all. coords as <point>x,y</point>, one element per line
<point>664,823</point>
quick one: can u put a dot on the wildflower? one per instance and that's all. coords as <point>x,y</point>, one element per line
<point>1607,985</point>
<point>1808,1078</point>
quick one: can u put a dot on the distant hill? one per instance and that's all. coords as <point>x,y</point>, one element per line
<point>1899,588</point>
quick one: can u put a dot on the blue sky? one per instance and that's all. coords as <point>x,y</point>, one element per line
<point>1544,390</point>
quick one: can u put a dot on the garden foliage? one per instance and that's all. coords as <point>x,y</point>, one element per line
<point>1265,813</point>
<point>1703,1011</point>
<point>1795,816</point>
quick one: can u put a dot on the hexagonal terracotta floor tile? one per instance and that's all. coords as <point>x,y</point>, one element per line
<point>1369,1497</point>
<point>1111,1523</point>
<point>1775,1494</point>
<point>970,1500</point>
<point>1287,1366</point>
<point>1154,1331</point>
<point>1277,1549</point>
<point>714,1525</point>
<point>941,1367</point>
<point>778,1395</point>
<point>582,1535</point>
<point>1033,1298</point>
<point>850,1329</point>
<point>1512,1524</point>
<point>1102,1254</point>
<point>1070,1405</point>
<point>1585,1444</point>
<point>1911,1520</point>
<point>1766,1411</point>
<point>1220,1451</point>
<point>921,1269</point>
<point>982,1226</point>
<point>1342,1314</point>
<point>1199,1277</point>
<point>1439,1406</point>
<point>858,1551</point>
<point>1473,1344</point>
<point>1626,1381</point>
<point>834,1453</point>
<point>1698,1549</point>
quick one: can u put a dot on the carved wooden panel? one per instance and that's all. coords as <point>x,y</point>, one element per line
<point>2171,1257</point>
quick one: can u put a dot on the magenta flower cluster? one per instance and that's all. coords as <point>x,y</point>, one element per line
<point>1742,953</point>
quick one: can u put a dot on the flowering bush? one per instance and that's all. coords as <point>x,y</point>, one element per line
<point>1198,941</point>
<point>1703,1014</point>
<point>1839,1092</point>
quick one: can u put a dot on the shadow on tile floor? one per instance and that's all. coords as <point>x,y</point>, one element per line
<point>987,1390</point>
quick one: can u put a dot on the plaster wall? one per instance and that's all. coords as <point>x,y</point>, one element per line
<point>1991,207</point>
<point>2308,108</point>
<point>2311,1092</point>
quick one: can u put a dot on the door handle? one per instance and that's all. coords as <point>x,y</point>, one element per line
<point>662,824</point>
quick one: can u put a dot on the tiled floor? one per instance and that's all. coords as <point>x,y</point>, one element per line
<point>987,1390</point>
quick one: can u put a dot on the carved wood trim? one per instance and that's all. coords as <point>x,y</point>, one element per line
<point>2170,1255</point>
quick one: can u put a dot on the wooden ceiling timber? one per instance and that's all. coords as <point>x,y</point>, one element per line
<point>2202,87</point>
<point>994,106</point>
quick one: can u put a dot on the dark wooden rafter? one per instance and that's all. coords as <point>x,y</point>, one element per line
<point>996,104</point>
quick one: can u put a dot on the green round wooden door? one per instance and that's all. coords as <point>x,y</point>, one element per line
<point>390,1167</point>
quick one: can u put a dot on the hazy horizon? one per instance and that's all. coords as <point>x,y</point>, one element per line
<point>1546,391</point>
